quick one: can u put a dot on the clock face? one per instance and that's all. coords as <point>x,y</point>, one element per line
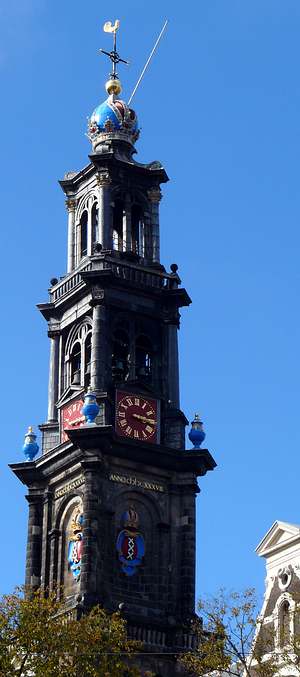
<point>71,417</point>
<point>137,417</point>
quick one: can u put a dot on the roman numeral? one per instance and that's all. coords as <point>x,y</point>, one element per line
<point>136,434</point>
<point>149,429</point>
<point>123,405</point>
<point>137,401</point>
<point>150,412</point>
<point>130,402</point>
<point>144,434</point>
<point>128,430</point>
<point>121,414</point>
<point>144,405</point>
<point>123,422</point>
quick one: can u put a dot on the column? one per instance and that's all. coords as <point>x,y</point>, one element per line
<point>148,253</point>
<point>173,362</point>
<point>89,232</point>
<point>99,342</point>
<point>104,215</point>
<point>53,375</point>
<point>33,554</point>
<point>71,206</point>
<point>127,238</point>
<point>154,195</point>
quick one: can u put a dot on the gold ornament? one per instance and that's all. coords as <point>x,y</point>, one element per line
<point>113,86</point>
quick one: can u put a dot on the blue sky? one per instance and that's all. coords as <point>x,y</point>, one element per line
<point>220,109</point>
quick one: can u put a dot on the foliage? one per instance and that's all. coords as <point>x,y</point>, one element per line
<point>37,639</point>
<point>232,639</point>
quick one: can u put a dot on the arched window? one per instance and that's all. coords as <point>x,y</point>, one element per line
<point>87,360</point>
<point>118,212</point>
<point>78,355</point>
<point>83,234</point>
<point>284,624</point>
<point>136,229</point>
<point>120,355</point>
<point>143,358</point>
<point>95,230</point>
<point>76,364</point>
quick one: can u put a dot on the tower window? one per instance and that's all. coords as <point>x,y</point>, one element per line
<point>120,355</point>
<point>118,225</point>
<point>95,230</point>
<point>87,360</point>
<point>78,356</point>
<point>284,624</point>
<point>76,364</point>
<point>143,359</point>
<point>83,234</point>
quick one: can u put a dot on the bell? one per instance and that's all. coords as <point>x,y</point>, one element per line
<point>76,379</point>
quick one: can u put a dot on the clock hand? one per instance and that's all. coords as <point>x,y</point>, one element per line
<point>144,419</point>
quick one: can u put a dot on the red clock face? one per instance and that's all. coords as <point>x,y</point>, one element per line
<point>137,417</point>
<point>71,417</point>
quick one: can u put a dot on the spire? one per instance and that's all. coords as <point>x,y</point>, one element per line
<point>113,120</point>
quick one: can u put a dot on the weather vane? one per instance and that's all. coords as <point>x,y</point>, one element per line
<point>113,55</point>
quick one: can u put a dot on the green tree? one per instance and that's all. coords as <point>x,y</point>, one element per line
<point>233,639</point>
<point>37,638</point>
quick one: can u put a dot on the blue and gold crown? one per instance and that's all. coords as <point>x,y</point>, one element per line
<point>130,518</point>
<point>113,119</point>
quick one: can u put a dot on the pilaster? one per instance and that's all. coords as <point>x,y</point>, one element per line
<point>45,561</point>
<point>53,375</point>
<point>34,542</point>
<point>104,216</point>
<point>91,563</point>
<point>154,196</point>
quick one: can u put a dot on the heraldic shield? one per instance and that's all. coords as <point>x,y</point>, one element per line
<point>130,543</point>
<point>75,545</point>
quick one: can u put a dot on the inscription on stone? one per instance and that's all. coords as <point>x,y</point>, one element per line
<point>136,482</point>
<point>68,487</point>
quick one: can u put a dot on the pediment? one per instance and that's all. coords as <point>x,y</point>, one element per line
<point>69,394</point>
<point>281,535</point>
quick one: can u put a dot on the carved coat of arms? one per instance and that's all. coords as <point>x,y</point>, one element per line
<point>75,544</point>
<point>130,542</point>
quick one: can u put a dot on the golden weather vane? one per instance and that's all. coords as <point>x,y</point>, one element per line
<point>113,55</point>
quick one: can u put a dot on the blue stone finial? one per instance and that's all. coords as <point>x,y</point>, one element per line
<point>90,407</point>
<point>197,434</point>
<point>30,446</point>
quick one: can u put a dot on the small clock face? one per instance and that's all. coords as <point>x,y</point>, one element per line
<point>71,417</point>
<point>137,417</point>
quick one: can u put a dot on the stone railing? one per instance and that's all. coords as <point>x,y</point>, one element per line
<point>134,274</point>
<point>164,640</point>
<point>68,284</point>
<point>141,277</point>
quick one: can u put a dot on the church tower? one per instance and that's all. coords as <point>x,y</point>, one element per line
<point>112,495</point>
